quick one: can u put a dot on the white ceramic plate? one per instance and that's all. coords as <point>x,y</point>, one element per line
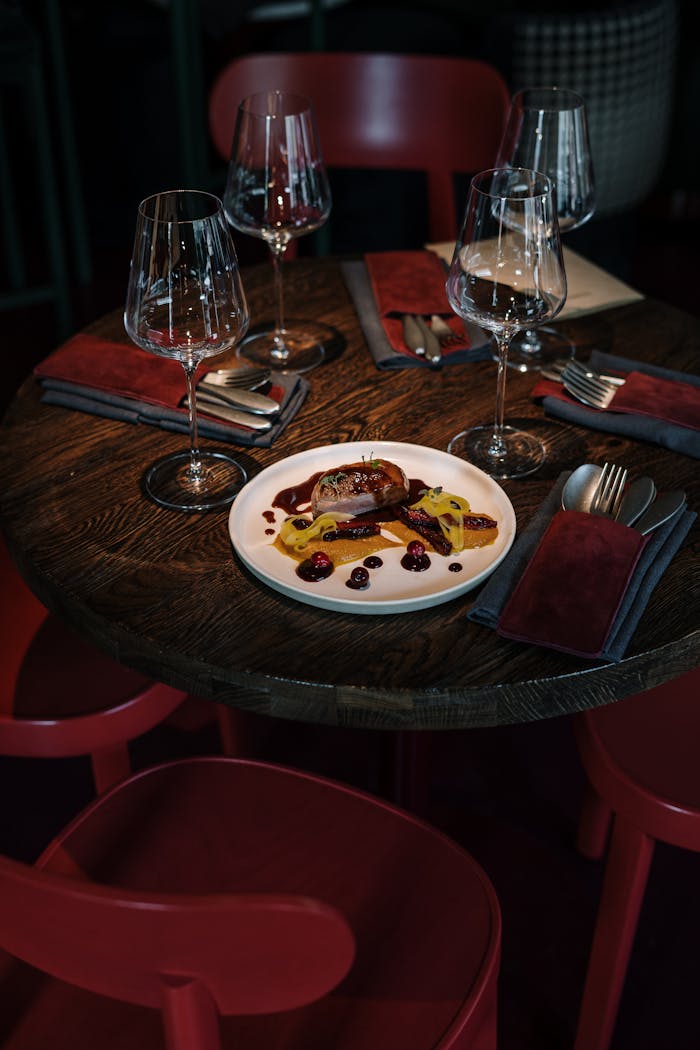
<point>391,588</point>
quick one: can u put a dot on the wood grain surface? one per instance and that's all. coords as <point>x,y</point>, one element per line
<point>163,592</point>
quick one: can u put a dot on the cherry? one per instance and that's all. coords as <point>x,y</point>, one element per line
<point>416,549</point>
<point>320,560</point>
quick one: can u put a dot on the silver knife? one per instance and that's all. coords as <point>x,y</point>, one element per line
<point>240,398</point>
<point>433,349</point>
<point>663,508</point>
<point>418,337</point>
<point>232,415</point>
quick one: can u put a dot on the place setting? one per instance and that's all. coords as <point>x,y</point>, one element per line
<point>185,303</point>
<point>580,575</point>
<point>622,396</point>
<point>404,313</point>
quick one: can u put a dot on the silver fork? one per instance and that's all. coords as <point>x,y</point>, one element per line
<point>608,494</point>
<point>586,387</point>
<point>250,378</point>
<point>556,368</point>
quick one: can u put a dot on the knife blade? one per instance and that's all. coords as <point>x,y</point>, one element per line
<point>240,398</point>
<point>663,508</point>
<point>232,415</point>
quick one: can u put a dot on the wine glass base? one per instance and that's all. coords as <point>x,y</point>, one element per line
<point>517,455</point>
<point>304,346</point>
<point>533,351</point>
<point>170,483</point>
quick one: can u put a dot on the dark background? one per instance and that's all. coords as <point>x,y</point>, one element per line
<point>511,794</point>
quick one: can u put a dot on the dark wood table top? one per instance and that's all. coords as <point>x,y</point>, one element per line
<point>163,592</point>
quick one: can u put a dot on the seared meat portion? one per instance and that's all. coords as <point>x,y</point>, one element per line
<point>356,488</point>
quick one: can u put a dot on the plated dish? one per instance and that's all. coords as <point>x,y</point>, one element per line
<point>254,523</point>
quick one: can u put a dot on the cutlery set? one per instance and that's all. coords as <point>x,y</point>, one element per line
<point>583,383</point>
<point>428,339</point>
<point>230,394</point>
<point>601,490</point>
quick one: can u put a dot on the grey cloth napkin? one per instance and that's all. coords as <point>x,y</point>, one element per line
<point>111,406</point>
<point>646,428</point>
<point>359,286</point>
<point>661,547</point>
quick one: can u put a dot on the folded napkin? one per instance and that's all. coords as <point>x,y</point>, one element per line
<point>577,582</point>
<point>387,285</point>
<point>655,404</point>
<point>120,381</point>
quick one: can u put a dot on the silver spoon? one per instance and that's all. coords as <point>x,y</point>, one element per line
<point>580,488</point>
<point>638,496</point>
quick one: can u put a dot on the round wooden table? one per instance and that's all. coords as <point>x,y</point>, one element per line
<point>163,591</point>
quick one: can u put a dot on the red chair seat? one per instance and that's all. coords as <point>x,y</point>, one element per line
<point>424,919</point>
<point>641,759</point>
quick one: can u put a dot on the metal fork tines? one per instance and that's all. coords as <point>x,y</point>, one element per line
<point>608,494</point>
<point>590,389</point>
<point>250,378</point>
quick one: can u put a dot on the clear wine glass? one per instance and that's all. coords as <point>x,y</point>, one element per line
<point>276,190</point>
<point>185,300</point>
<point>547,130</point>
<point>507,274</point>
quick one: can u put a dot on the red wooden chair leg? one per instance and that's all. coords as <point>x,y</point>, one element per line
<point>625,880</point>
<point>109,766</point>
<point>594,825</point>
<point>190,1016</point>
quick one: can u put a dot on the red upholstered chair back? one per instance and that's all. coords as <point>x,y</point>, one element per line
<point>247,905</point>
<point>439,115</point>
<point>225,953</point>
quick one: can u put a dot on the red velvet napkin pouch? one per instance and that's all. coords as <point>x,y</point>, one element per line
<point>642,395</point>
<point>570,592</point>
<point>646,395</point>
<point>121,369</point>
<point>115,368</point>
<point>411,282</point>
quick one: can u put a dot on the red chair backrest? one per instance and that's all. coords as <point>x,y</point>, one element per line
<point>251,953</point>
<point>439,115</point>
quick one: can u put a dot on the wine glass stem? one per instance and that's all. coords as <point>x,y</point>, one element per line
<point>195,472</point>
<point>279,350</point>
<point>498,447</point>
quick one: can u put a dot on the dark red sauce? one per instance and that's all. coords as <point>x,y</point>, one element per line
<point>373,562</point>
<point>454,566</point>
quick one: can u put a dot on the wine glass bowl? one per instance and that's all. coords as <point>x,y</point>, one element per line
<point>277,189</point>
<point>185,301</point>
<point>547,130</point>
<point>506,275</point>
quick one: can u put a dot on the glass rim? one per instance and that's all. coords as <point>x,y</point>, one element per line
<point>298,104</point>
<point>571,99</point>
<point>545,181</point>
<point>214,206</point>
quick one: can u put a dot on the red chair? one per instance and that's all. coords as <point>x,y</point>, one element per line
<point>60,696</point>
<point>440,115</point>
<point>252,906</point>
<point>641,759</point>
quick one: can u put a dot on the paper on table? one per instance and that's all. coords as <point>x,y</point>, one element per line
<point>590,287</point>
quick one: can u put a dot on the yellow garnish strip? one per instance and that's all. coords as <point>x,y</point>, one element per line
<point>449,510</point>
<point>298,539</point>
